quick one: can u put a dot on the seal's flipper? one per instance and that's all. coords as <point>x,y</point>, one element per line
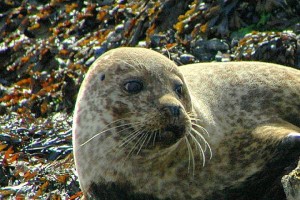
<point>281,136</point>
<point>280,133</point>
<point>290,147</point>
<point>292,140</point>
<point>281,141</point>
<point>287,155</point>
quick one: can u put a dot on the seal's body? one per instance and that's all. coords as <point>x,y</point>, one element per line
<point>147,129</point>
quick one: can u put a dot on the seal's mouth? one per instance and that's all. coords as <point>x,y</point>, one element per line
<point>136,141</point>
<point>171,134</point>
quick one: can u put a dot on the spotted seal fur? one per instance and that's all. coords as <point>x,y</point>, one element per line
<point>147,129</point>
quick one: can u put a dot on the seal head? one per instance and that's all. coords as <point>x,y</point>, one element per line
<point>132,113</point>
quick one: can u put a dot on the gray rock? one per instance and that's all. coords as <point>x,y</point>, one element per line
<point>291,184</point>
<point>90,61</point>
<point>157,40</point>
<point>98,51</point>
<point>206,50</point>
<point>187,58</point>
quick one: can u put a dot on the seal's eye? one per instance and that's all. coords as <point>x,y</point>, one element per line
<point>133,87</point>
<point>179,90</point>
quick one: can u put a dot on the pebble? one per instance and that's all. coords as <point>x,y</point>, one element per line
<point>142,44</point>
<point>157,40</point>
<point>187,58</point>
<point>206,50</point>
<point>98,51</point>
<point>90,61</point>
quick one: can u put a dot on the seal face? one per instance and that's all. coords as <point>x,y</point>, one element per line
<point>144,128</point>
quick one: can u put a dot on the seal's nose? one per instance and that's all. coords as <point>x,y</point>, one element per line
<point>172,110</point>
<point>170,106</point>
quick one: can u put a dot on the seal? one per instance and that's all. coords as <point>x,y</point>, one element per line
<point>146,129</point>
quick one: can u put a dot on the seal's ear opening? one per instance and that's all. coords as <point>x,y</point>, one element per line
<point>102,77</point>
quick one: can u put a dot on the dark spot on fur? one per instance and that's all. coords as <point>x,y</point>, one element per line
<point>120,109</point>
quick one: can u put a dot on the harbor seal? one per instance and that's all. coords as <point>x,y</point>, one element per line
<point>146,129</point>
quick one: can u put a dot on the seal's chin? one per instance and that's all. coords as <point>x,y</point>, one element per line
<point>171,134</point>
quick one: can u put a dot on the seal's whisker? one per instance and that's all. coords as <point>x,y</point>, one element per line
<point>149,138</point>
<point>125,143</point>
<point>155,134</point>
<point>195,119</point>
<point>200,149</point>
<point>199,135</point>
<point>145,136</point>
<point>105,130</point>
<point>200,127</point>
<point>132,149</point>
<point>191,155</point>
<point>117,121</point>
<point>193,115</point>
<point>130,138</point>
<point>186,140</point>
<point>136,143</point>
<point>118,132</point>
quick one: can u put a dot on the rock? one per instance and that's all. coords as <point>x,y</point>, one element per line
<point>274,47</point>
<point>142,43</point>
<point>157,40</point>
<point>291,184</point>
<point>90,61</point>
<point>206,50</point>
<point>98,51</point>
<point>187,58</point>
<point>222,57</point>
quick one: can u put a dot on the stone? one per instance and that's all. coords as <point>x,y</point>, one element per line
<point>291,184</point>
